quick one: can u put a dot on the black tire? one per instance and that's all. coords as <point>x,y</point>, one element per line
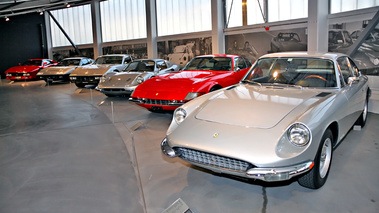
<point>316,178</point>
<point>363,118</point>
<point>80,85</point>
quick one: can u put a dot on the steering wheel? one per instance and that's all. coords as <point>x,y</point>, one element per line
<point>316,76</point>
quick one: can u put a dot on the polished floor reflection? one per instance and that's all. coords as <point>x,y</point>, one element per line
<point>69,150</point>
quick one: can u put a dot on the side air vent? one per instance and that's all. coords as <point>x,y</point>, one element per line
<point>323,94</point>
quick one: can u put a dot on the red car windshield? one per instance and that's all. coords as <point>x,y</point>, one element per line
<point>210,63</point>
<point>32,63</point>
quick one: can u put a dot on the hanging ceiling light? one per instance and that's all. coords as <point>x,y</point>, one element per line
<point>6,18</point>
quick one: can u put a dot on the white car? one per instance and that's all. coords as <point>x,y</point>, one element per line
<point>282,121</point>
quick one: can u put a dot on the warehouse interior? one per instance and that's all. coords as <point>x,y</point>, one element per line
<point>69,149</point>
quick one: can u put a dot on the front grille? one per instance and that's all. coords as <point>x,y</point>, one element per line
<point>208,159</point>
<point>156,102</point>
<point>17,74</point>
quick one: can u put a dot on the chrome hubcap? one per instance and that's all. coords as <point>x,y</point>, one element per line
<point>365,112</point>
<point>325,158</point>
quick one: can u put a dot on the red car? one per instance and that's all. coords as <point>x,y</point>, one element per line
<point>201,75</point>
<point>28,69</point>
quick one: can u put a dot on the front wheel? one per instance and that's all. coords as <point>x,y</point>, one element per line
<point>316,178</point>
<point>363,118</point>
<point>80,85</point>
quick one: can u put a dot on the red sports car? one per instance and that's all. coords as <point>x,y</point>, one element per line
<point>28,69</point>
<point>201,75</point>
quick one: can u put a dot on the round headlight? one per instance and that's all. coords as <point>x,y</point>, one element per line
<point>139,79</point>
<point>179,115</point>
<point>299,134</point>
<point>103,79</point>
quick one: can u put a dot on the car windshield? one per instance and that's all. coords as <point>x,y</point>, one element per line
<point>69,62</point>
<point>288,37</point>
<point>109,60</point>
<point>32,63</point>
<point>140,66</point>
<point>304,72</point>
<point>210,63</point>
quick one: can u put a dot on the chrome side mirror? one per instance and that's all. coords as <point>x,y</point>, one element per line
<point>353,80</point>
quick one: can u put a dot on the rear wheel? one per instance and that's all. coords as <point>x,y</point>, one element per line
<point>80,85</point>
<point>316,178</point>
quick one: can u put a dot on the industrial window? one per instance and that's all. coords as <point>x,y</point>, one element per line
<point>123,20</point>
<point>254,11</point>
<point>234,15</point>
<point>76,21</point>
<point>337,6</point>
<point>280,10</point>
<point>183,16</point>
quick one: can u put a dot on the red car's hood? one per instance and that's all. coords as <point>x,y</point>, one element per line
<point>176,85</point>
<point>28,68</point>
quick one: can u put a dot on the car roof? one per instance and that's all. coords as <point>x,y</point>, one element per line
<point>220,55</point>
<point>74,58</point>
<point>114,55</point>
<point>327,55</point>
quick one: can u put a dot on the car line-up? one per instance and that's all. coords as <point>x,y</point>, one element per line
<point>201,75</point>
<point>277,120</point>
<point>282,121</point>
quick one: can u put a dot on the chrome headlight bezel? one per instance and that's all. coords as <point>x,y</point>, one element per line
<point>193,95</point>
<point>299,134</point>
<point>139,79</point>
<point>180,115</point>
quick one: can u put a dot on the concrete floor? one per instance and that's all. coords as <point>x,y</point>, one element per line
<point>62,150</point>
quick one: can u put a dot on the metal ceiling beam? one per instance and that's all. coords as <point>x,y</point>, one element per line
<point>364,34</point>
<point>65,34</point>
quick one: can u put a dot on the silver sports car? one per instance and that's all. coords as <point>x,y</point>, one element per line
<point>281,121</point>
<point>63,69</point>
<point>136,72</point>
<point>91,74</point>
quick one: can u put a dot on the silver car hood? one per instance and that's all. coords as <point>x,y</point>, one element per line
<point>56,70</point>
<point>124,79</point>
<point>93,69</point>
<point>268,105</point>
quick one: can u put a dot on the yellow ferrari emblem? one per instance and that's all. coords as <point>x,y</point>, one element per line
<point>156,94</point>
<point>215,135</point>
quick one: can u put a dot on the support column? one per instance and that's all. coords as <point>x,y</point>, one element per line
<point>151,29</point>
<point>318,26</point>
<point>96,29</point>
<point>218,37</point>
<point>49,42</point>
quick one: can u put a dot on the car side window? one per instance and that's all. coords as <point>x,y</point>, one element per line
<point>353,67</point>
<point>344,67</point>
<point>240,63</point>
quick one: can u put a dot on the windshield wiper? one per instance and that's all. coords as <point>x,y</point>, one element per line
<point>286,85</point>
<point>251,82</point>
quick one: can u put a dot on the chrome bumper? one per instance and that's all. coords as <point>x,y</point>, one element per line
<point>264,174</point>
<point>280,173</point>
